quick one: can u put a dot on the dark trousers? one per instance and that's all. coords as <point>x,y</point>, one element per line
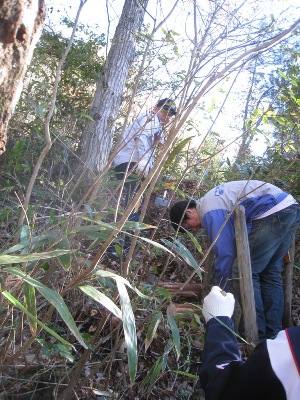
<point>132,185</point>
<point>131,182</point>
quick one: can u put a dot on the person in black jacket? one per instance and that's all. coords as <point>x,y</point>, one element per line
<point>272,372</point>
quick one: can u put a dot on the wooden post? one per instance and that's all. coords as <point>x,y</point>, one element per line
<point>288,287</point>
<point>207,277</point>
<point>245,275</point>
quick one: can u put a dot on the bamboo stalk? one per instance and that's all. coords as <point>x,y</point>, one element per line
<point>191,290</point>
<point>185,307</point>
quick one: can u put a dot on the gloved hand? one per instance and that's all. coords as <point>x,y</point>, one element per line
<point>218,304</point>
<point>142,168</point>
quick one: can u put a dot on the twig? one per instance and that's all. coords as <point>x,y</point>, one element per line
<point>47,125</point>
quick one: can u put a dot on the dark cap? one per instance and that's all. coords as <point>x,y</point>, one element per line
<point>168,105</point>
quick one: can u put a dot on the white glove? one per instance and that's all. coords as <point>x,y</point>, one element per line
<point>218,304</point>
<point>142,168</point>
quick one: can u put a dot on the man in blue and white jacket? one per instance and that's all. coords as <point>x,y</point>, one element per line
<point>272,372</point>
<point>272,218</point>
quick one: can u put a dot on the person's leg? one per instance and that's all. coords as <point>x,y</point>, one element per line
<point>134,216</point>
<point>122,172</point>
<point>272,296</point>
<point>285,225</point>
<point>269,241</point>
<point>132,185</point>
<point>258,262</point>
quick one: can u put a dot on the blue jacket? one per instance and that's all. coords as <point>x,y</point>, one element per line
<point>272,372</point>
<point>214,208</point>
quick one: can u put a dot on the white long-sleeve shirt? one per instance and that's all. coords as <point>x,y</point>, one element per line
<point>138,139</point>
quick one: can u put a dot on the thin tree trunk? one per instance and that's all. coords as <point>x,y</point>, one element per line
<point>96,140</point>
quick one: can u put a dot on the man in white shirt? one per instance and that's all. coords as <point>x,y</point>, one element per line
<point>136,148</point>
<point>135,153</point>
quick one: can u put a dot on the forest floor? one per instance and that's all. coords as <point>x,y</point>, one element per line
<point>44,375</point>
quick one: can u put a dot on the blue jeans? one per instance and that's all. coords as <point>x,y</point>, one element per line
<point>269,241</point>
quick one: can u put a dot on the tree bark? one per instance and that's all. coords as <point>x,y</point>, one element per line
<point>96,139</point>
<point>20,28</point>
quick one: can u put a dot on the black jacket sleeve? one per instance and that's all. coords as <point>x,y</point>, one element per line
<point>220,349</point>
<point>225,376</point>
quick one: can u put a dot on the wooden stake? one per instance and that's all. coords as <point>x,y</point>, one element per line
<point>288,287</point>
<point>245,275</point>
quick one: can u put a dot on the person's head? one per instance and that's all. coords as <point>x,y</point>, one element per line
<point>165,109</point>
<point>185,214</point>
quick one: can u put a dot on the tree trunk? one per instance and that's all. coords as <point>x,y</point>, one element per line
<point>96,139</point>
<point>20,28</point>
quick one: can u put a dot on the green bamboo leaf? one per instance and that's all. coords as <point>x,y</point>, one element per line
<point>59,241</point>
<point>283,74</point>
<point>185,254</point>
<point>175,335</point>
<point>108,274</point>
<point>291,147</point>
<point>159,366</point>
<point>129,225</point>
<point>89,229</point>
<point>167,350</point>
<point>25,237</point>
<point>30,303</point>
<point>152,328</point>
<point>152,375</point>
<point>177,149</point>
<point>87,117</point>
<point>21,258</point>
<point>99,236</point>
<point>181,193</point>
<point>20,246</point>
<point>25,234</point>
<point>64,259</point>
<point>100,225</point>
<point>129,329</point>
<point>55,299</point>
<point>102,299</point>
<point>155,244</point>
<point>184,374</point>
<point>17,304</point>
<point>194,241</point>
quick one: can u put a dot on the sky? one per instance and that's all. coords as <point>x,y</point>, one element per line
<point>95,11</point>
<point>104,15</point>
